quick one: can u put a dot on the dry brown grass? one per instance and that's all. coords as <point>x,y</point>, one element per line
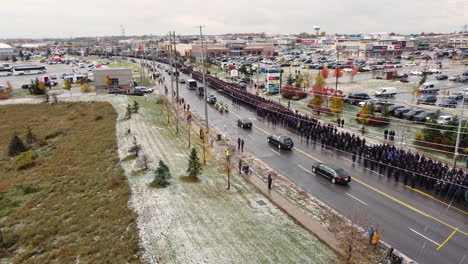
<point>77,210</point>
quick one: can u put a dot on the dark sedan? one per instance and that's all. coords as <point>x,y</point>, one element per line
<point>451,103</point>
<point>283,142</point>
<point>391,109</point>
<point>244,123</point>
<point>442,77</point>
<point>409,115</point>
<point>335,174</point>
<point>401,111</point>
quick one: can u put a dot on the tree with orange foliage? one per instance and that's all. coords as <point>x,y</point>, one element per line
<point>324,72</point>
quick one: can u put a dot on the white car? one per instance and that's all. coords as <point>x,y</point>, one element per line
<point>367,102</point>
<point>144,89</point>
<point>433,70</point>
<point>411,64</point>
<point>417,73</point>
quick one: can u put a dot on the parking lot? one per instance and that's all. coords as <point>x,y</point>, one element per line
<point>52,69</point>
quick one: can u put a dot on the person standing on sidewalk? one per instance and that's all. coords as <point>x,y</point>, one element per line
<point>270,181</point>
<point>240,166</point>
<point>342,123</point>
<point>376,238</point>
<point>385,134</point>
<point>242,145</point>
<point>238,143</point>
<point>371,233</point>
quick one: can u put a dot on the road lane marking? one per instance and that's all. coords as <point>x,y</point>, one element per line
<point>428,239</point>
<point>432,197</point>
<point>252,118</point>
<point>448,238</point>
<point>251,137</point>
<point>304,169</point>
<point>378,191</point>
<point>348,160</point>
<point>275,151</point>
<point>356,198</point>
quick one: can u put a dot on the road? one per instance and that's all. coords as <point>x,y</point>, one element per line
<point>411,222</point>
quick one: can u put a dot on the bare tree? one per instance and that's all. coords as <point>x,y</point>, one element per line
<point>145,161</point>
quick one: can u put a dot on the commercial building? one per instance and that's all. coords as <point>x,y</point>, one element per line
<point>6,50</point>
<point>233,49</point>
<point>119,77</point>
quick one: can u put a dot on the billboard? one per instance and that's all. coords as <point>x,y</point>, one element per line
<point>273,82</point>
<point>307,41</point>
<point>379,47</point>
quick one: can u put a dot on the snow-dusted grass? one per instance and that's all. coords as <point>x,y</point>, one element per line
<point>203,222</point>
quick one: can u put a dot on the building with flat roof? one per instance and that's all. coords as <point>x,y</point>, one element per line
<point>6,50</point>
<point>120,77</point>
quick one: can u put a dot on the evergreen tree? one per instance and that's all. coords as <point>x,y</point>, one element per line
<point>136,106</point>
<point>128,114</point>
<point>30,137</point>
<point>16,146</point>
<point>162,174</point>
<point>290,79</point>
<point>194,167</point>
<point>135,149</point>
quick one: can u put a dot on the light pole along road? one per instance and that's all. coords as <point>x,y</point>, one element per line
<point>410,221</point>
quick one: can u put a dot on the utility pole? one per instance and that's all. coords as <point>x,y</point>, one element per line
<point>459,131</point>
<point>204,82</point>
<point>336,70</point>
<point>170,60</point>
<point>176,73</point>
<point>258,71</point>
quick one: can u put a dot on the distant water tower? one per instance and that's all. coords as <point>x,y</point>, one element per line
<point>317,29</point>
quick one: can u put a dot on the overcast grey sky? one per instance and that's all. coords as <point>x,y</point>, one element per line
<point>58,18</point>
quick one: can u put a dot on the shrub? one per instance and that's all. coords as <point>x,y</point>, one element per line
<point>419,136</point>
<point>25,160</point>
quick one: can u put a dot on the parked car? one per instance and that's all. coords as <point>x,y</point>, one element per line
<point>283,142</point>
<point>53,77</point>
<point>182,80</point>
<point>451,103</point>
<point>402,76</point>
<point>355,98</point>
<point>463,79</point>
<point>401,111</point>
<point>444,119</point>
<point>429,87</point>
<point>454,78</point>
<point>332,172</point>
<point>409,115</point>
<point>115,91</point>
<point>143,89</point>
<point>367,102</point>
<point>430,99</point>
<point>244,123</point>
<point>456,96</point>
<point>424,116</point>
<point>386,92</point>
<point>442,77</point>
<point>465,73</point>
<point>378,106</point>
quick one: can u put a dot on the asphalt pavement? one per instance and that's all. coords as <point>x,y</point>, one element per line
<point>410,221</point>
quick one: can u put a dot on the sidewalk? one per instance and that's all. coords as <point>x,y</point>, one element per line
<point>295,212</point>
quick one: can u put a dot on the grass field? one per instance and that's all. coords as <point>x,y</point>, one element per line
<point>71,206</point>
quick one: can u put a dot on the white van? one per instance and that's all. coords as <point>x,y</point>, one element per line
<point>191,84</point>
<point>386,92</point>
<point>429,87</point>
